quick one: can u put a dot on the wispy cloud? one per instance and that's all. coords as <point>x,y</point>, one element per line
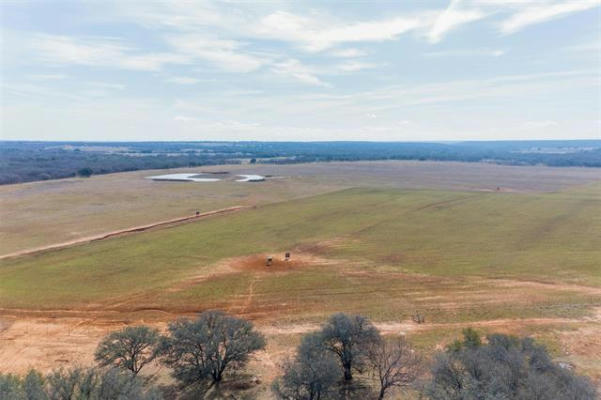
<point>225,54</point>
<point>302,71</point>
<point>539,124</point>
<point>353,66</point>
<point>184,118</point>
<point>109,52</point>
<point>318,34</point>
<point>47,77</point>
<point>466,53</point>
<point>95,51</point>
<point>67,50</point>
<point>500,87</point>
<point>348,53</point>
<point>544,11</point>
<point>451,18</point>
<point>106,85</point>
<point>295,69</point>
<point>183,80</point>
<point>593,46</point>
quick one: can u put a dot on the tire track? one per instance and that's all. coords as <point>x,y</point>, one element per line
<point>135,229</point>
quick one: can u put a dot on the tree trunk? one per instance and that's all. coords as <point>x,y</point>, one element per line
<point>382,393</point>
<point>348,375</point>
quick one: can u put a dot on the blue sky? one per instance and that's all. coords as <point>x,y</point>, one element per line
<point>301,70</point>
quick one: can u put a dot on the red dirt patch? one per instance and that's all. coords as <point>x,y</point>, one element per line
<point>258,262</point>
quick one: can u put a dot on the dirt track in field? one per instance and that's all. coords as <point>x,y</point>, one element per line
<point>120,232</point>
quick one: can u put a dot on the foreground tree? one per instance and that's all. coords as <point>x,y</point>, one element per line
<point>70,384</point>
<point>11,387</point>
<point>504,368</point>
<point>33,385</point>
<point>77,384</point>
<point>205,348</point>
<point>393,364</point>
<point>311,375</point>
<point>131,348</point>
<point>348,337</point>
<point>115,383</point>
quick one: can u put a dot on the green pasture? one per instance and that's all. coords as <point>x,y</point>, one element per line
<point>393,251</point>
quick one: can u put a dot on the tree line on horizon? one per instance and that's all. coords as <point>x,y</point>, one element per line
<point>22,161</point>
<point>346,359</point>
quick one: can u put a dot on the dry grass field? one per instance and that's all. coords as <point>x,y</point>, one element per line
<point>43,213</point>
<point>382,239</point>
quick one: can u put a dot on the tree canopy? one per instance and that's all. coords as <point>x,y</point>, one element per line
<point>205,348</point>
<point>505,367</point>
<point>131,348</point>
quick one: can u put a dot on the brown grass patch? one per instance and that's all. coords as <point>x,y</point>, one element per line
<point>258,262</point>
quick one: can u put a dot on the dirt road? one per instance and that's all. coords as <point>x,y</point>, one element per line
<point>134,229</point>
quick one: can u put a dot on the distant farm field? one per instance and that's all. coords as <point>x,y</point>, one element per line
<point>43,213</point>
<point>517,260</point>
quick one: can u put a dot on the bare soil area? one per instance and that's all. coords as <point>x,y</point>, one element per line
<point>47,343</point>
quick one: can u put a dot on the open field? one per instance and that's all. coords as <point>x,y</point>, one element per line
<point>364,238</point>
<point>44,213</point>
<point>121,232</point>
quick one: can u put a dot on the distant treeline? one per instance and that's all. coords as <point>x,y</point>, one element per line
<point>33,161</point>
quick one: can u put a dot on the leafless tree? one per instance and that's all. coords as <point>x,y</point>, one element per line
<point>311,375</point>
<point>505,367</point>
<point>393,363</point>
<point>130,348</point>
<point>348,337</point>
<point>203,349</point>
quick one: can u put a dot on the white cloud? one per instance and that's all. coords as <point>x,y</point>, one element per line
<point>153,61</point>
<point>466,52</point>
<point>593,46</point>
<point>535,14</point>
<point>539,124</point>
<point>106,85</point>
<point>281,56</point>
<point>183,80</point>
<point>66,50</point>
<point>314,31</point>
<point>353,66</point>
<point>47,77</point>
<point>451,18</point>
<point>38,92</point>
<point>111,53</point>
<point>225,54</point>
<point>317,34</point>
<point>94,51</point>
<point>508,87</point>
<point>507,3</point>
<point>317,115</point>
<point>348,53</point>
<point>183,118</point>
<point>295,69</point>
